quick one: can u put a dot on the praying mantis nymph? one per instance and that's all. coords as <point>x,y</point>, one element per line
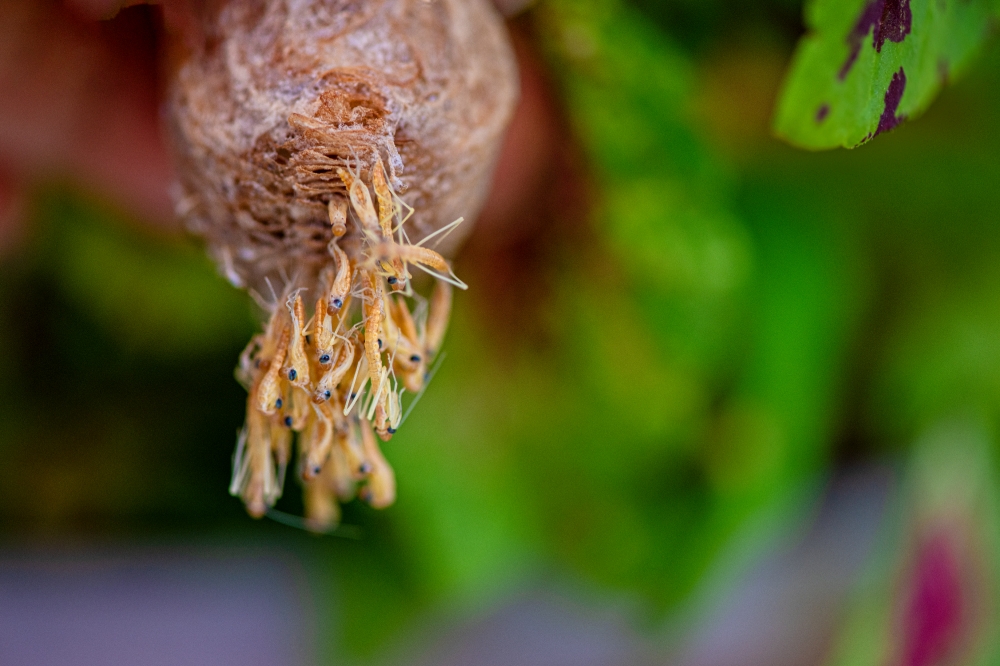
<point>354,453</point>
<point>318,450</point>
<point>437,318</point>
<point>296,408</point>
<point>269,392</point>
<point>361,201</point>
<point>380,486</point>
<point>324,336</point>
<point>338,470</point>
<point>386,216</point>
<point>322,510</point>
<point>373,312</point>
<point>384,195</point>
<point>255,475</point>
<point>341,285</point>
<point>327,385</point>
<point>297,361</point>
<point>337,212</point>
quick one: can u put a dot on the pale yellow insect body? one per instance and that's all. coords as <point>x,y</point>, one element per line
<point>380,487</point>
<point>354,453</point>
<point>297,408</point>
<point>373,328</point>
<point>384,195</point>
<point>331,379</point>
<point>255,476</point>
<point>298,359</point>
<point>337,212</point>
<point>269,390</point>
<point>361,201</point>
<point>339,469</point>
<point>324,336</point>
<point>322,510</point>
<point>318,449</point>
<point>437,319</point>
<point>341,287</point>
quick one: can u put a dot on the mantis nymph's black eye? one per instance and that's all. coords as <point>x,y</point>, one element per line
<point>292,375</point>
<point>326,394</point>
<point>288,421</point>
<point>337,303</point>
<point>392,279</point>
<point>278,403</point>
<point>415,358</point>
<point>324,359</point>
<point>391,431</point>
<point>380,343</point>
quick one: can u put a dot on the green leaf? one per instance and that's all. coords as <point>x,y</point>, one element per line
<point>157,297</point>
<point>867,65</point>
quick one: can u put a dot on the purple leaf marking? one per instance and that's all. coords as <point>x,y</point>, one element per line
<point>891,19</point>
<point>889,119</point>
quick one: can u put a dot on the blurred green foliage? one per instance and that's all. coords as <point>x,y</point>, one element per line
<point>942,547</point>
<point>740,318</point>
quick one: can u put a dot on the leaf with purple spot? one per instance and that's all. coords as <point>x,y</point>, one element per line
<point>865,66</point>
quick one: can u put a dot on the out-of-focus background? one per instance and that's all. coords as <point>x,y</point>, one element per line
<point>710,399</point>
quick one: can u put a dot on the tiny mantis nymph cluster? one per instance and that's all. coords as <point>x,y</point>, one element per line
<point>334,378</point>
